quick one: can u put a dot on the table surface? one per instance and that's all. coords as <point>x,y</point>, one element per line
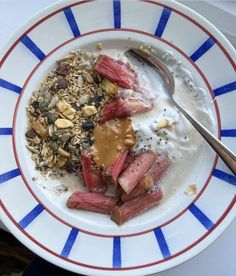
<point>219,258</point>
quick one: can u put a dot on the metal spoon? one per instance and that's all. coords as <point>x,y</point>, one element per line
<point>225,154</point>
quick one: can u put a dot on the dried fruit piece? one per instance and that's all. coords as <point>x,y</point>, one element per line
<point>93,178</point>
<point>39,128</point>
<point>92,202</point>
<point>66,109</point>
<point>88,125</point>
<point>117,73</point>
<point>63,123</point>
<point>122,108</point>
<point>63,69</point>
<point>30,134</point>
<point>136,170</point>
<point>135,206</point>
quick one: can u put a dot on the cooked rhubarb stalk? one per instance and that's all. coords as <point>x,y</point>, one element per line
<point>143,186</point>
<point>160,167</point>
<point>115,72</point>
<point>151,177</point>
<point>122,108</point>
<point>92,178</point>
<point>111,173</point>
<point>92,202</point>
<point>136,171</point>
<point>135,206</point>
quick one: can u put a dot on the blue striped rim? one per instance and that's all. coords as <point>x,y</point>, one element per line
<point>5,131</point>
<point>116,253</point>
<point>225,176</point>
<point>10,86</point>
<point>9,175</point>
<point>228,132</point>
<point>32,215</point>
<point>72,22</point>
<point>202,49</point>
<point>203,219</point>
<point>69,243</point>
<point>33,47</point>
<point>225,88</point>
<point>162,22</point>
<point>162,243</point>
<point>117,13</point>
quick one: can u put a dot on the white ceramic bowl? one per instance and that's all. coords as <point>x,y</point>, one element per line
<point>90,243</point>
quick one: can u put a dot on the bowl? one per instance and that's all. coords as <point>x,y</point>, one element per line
<point>89,243</point>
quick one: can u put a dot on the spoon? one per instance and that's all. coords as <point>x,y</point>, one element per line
<point>225,154</point>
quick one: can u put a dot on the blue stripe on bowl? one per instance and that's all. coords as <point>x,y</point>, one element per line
<point>203,219</point>
<point>31,216</point>
<point>69,243</point>
<point>225,88</point>
<point>228,132</point>
<point>203,49</point>
<point>117,13</point>
<point>116,262</point>
<point>162,243</point>
<point>9,175</point>
<point>28,42</point>
<point>10,86</point>
<point>163,22</point>
<point>225,176</point>
<point>5,131</point>
<point>72,22</point>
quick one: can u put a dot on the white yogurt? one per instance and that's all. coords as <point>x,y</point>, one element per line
<point>180,139</point>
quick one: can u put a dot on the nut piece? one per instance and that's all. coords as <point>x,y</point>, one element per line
<point>89,110</point>
<point>109,87</point>
<point>66,109</point>
<point>40,129</point>
<point>164,123</point>
<point>129,142</point>
<point>63,123</point>
<point>64,153</point>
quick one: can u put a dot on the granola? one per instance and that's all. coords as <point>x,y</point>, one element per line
<point>63,112</point>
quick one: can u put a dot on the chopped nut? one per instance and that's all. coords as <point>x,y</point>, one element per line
<point>109,87</point>
<point>164,124</point>
<point>66,109</point>
<point>89,110</point>
<point>63,123</point>
<point>129,142</point>
<point>40,129</point>
<point>99,46</point>
<point>191,190</point>
<point>64,153</point>
<point>61,161</point>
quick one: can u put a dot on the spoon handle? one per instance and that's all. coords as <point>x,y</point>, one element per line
<point>225,154</point>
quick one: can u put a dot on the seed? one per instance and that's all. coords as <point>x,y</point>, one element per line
<point>50,117</point>
<point>30,134</point>
<point>43,105</point>
<point>54,146</point>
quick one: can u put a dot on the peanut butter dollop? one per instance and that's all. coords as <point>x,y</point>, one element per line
<point>111,138</point>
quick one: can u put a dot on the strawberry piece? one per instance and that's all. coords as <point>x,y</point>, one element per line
<point>129,159</point>
<point>136,171</point>
<point>115,72</point>
<point>135,206</point>
<point>91,202</point>
<point>111,173</point>
<point>92,178</point>
<point>122,108</point>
